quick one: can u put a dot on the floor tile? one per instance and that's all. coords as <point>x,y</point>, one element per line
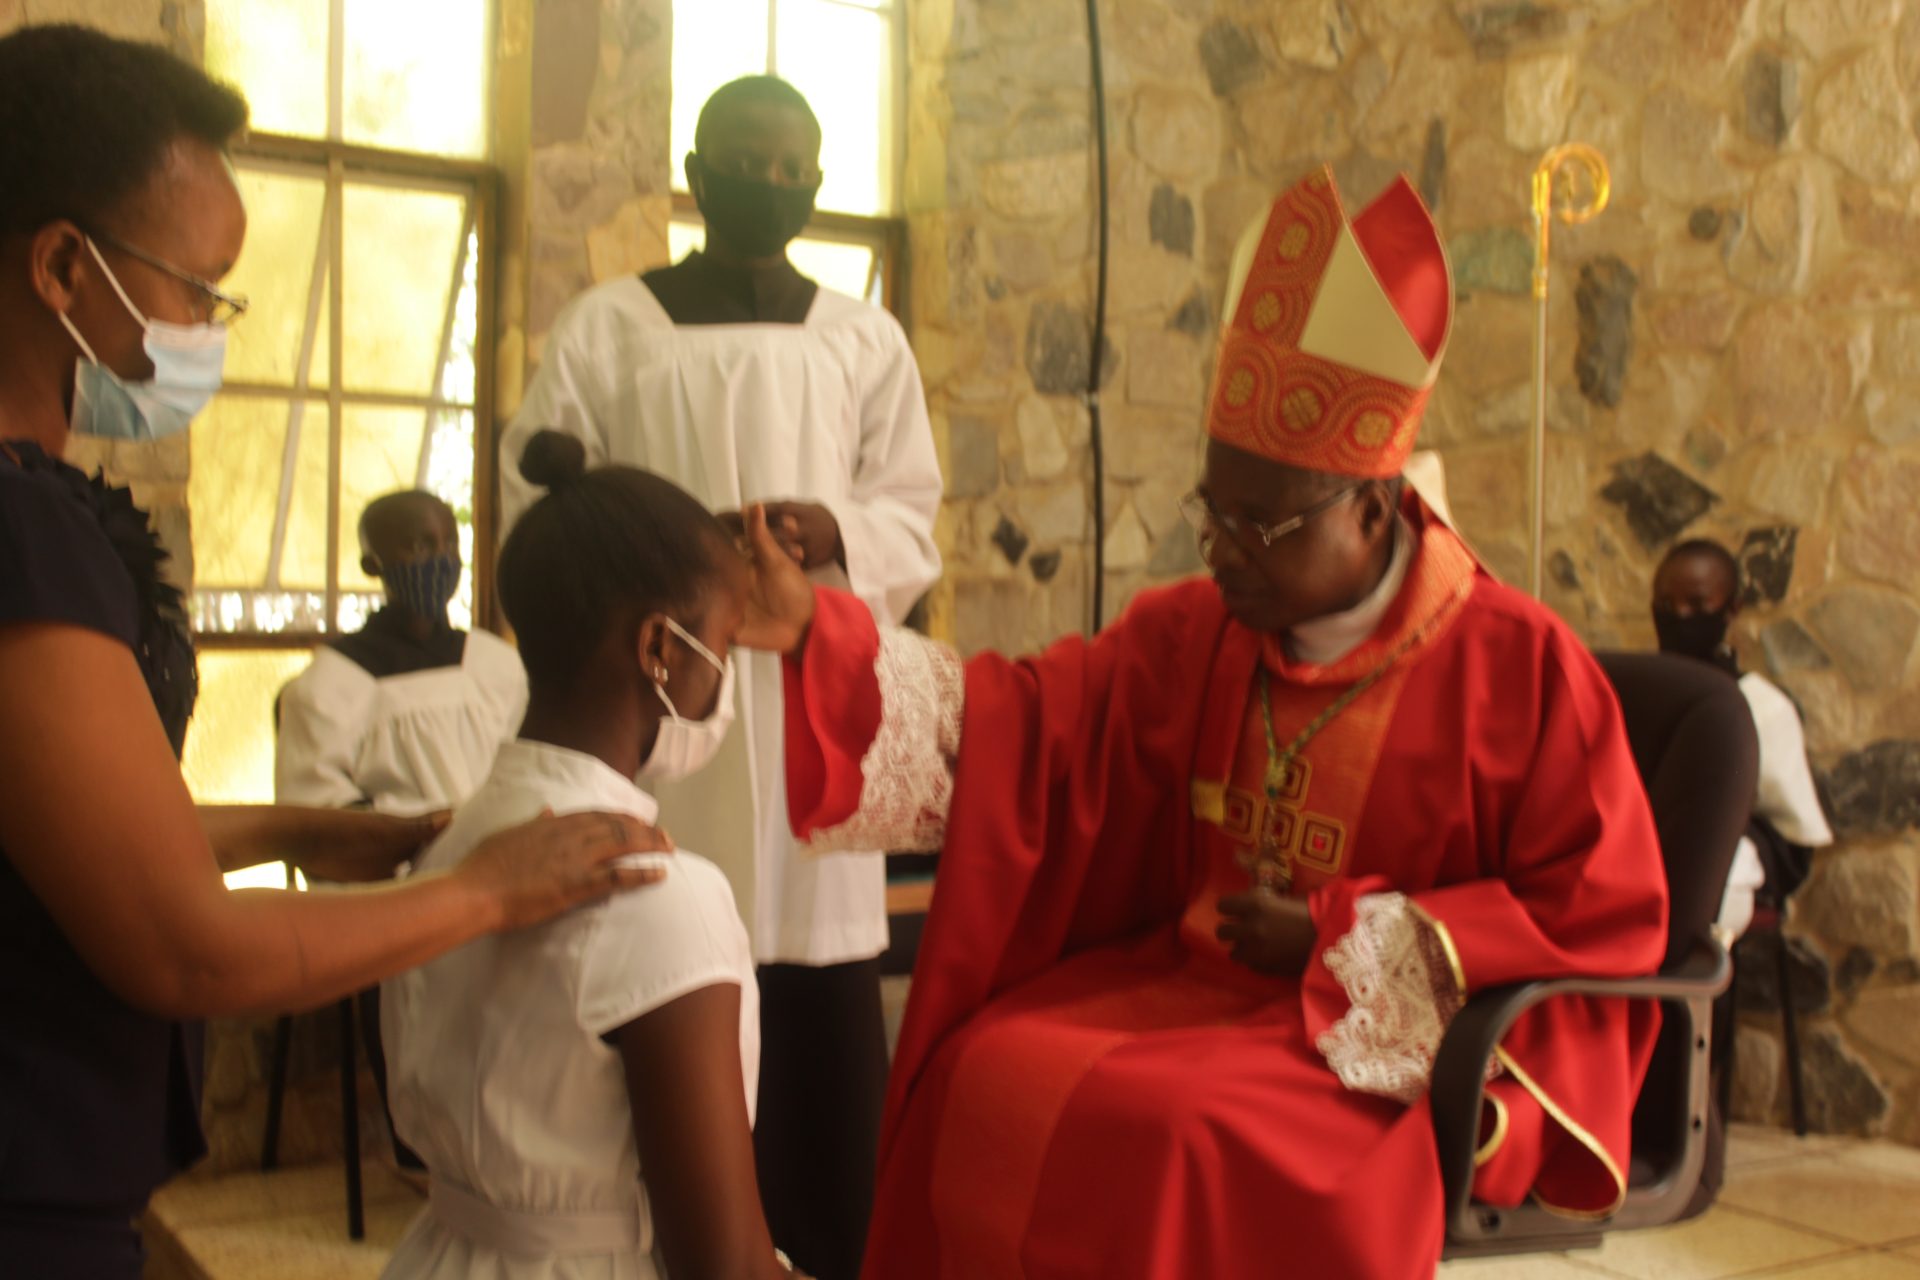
<point>1862,1202</point>
<point>1723,1242</point>
<point>1889,1158</point>
<point>191,1201</point>
<point>1868,1264</point>
<point>1529,1266</point>
<point>1749,1144</point>
<point>310,1246</point>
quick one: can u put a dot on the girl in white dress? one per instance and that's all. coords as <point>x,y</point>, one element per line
<point>582,1092</point>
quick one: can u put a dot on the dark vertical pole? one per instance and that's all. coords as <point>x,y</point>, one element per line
<point>1790,1025</point>
<point>350,1120</point>
<point>276,1092</point>
<point>1095,435</point>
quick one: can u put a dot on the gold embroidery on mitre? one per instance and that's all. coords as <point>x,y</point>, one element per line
<point>1301,409</point>
<point>1266,312</point>
<point>1373,429</point>
<point>1294,241</point>
<point>1239,388</point>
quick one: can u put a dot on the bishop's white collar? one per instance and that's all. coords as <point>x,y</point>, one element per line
<point>1328,639</point>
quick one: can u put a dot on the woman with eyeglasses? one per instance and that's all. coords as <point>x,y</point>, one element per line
<point>118,218</point>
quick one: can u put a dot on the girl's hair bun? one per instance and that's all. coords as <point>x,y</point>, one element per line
<point>553,459</point>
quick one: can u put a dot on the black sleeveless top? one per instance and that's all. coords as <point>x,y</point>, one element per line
<point>99,1102</point>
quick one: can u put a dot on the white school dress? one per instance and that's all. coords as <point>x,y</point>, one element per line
<point>497,1072</point>
<point>406,744</point>
<point>828,411</point>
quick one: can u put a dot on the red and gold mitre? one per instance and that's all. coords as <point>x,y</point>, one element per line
<point>1335,329</point>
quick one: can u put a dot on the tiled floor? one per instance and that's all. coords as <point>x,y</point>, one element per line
<point>288,1225</point>
<point>1807,1208</point>
<point>1812,1209</point>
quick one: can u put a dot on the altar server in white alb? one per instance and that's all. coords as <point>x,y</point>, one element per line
<point>744,381</point>
<point>1697,593</point>
<point>404,715</point>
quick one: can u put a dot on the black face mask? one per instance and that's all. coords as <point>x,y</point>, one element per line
<point>1699,635</point>
<point>756,219</point>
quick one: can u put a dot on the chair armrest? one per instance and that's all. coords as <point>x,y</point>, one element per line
<point>1460,1066</point>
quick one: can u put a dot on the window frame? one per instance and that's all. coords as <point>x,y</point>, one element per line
<point>340,164</point>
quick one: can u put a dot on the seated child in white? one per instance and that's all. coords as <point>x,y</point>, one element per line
<point>403,715</point>
<point>582,1091</point>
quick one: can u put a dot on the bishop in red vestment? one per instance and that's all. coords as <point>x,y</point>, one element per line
<point>1214,882</point>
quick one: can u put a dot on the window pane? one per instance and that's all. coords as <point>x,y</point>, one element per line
<point>847,268</point>
<point>402,252</point>
<point>379,453</point>
<point>234,492</point>
<point>842,59</point>
<point>303,560</point>
<point>714,41</point>
<point>276,274</point>
<point>684,237</point>
<point>450,474</point>
<point>229,756</point>
<point>416,75</point>
<point>460,374</point>
<point>275,52</point>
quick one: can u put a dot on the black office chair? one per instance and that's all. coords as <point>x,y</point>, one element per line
<point>1693,740</point>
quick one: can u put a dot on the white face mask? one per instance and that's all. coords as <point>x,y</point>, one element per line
<point>189,362</point>
<point>684,747</point>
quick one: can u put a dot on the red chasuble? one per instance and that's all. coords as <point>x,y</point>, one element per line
<point>1088,1087</point>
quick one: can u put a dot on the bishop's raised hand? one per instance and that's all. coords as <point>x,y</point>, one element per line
<point>780,599</point>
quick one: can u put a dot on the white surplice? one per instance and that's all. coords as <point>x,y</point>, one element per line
<point>1786,796</point>
<point>498,1074</point>
<point>405,744</point>
<point>829,411</point>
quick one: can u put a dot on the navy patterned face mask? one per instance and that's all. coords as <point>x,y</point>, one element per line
<point>423,588</point>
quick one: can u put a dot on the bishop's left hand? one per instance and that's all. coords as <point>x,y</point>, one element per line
<point>1268,932</point>
<point>357,846</point>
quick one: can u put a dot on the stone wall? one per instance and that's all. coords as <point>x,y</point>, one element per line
<point>1735,350</point>
<point>583,93</point>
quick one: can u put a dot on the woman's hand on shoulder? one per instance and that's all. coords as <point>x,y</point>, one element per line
<point>533,872</point>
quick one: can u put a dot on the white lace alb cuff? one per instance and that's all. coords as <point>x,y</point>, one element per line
<point>906,787</point>
<point>1400,982</point>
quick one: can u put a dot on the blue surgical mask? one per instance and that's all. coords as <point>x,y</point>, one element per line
<point>423,588</point>
<point>189,361</point>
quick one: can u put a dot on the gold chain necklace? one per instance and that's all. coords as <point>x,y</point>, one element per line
<point>1273,867</point>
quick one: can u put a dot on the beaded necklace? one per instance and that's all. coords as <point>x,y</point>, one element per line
<point>1273,866</point>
